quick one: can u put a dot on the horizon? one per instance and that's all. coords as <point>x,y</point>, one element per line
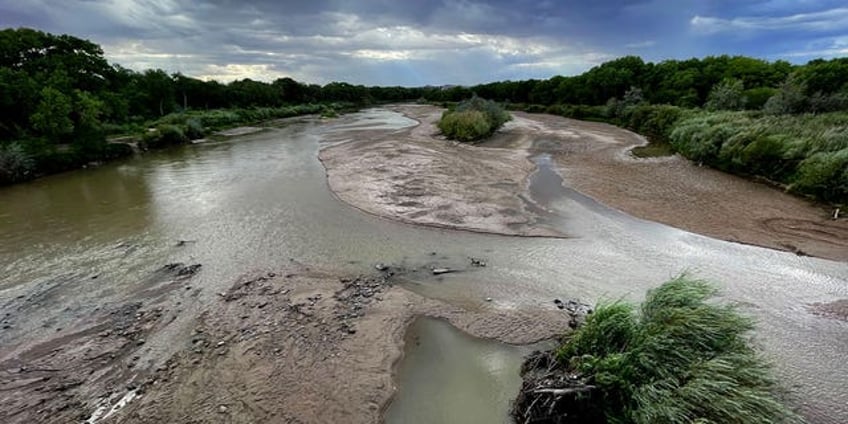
<point>432,43</point>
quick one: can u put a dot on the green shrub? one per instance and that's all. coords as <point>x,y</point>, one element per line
<point>470,125</point>
<point>726,95</point>
<point>654,122</point>
<point>801,151</point>
<point>164,135</point>
<point>680,359</point>
<point>15,163</point>
<point>472,120</point>
<point>756,98</point>
<point>825,175</point>
<point>194,129</point>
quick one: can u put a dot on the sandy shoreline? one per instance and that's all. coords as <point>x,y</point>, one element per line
<point>415,176</point>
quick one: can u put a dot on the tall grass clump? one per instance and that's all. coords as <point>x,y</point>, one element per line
<point>473,120</point>
<point>679,358</point>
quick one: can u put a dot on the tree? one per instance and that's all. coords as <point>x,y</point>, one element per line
<point>52,115</point>
<point>158,90</point>
<point>790,98</point>
<point>726,95</point>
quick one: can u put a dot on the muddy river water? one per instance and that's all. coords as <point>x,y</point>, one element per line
<point>85,239</point>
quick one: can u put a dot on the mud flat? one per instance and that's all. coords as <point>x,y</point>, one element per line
<point>298,345</point>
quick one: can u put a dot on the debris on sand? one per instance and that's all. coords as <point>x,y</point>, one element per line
<point>440,271</point>
<point>477,262</point>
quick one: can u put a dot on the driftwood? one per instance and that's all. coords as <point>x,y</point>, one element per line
<point>566,391</point>
<point>552,394</point>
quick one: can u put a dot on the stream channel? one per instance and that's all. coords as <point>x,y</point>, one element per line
<point>84,239</point>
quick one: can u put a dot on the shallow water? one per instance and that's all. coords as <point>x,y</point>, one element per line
<point>256,201</point>
<point>447,376</point>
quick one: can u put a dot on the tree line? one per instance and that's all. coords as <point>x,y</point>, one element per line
<point>820,85</point>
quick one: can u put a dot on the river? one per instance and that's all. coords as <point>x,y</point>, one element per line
<point>84,239</point>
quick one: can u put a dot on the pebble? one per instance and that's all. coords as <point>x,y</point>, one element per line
<point>222,409</point>
<point>488,299</point>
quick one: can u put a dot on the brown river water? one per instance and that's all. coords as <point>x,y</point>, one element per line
<point>86,239</point>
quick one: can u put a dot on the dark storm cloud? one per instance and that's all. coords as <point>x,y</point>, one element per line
<point>428,41</point>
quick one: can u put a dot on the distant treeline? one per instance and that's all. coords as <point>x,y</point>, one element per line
<point>684,83</point>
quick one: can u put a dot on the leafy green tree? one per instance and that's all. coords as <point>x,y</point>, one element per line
<point>726,95</point>
<point>157,88</point>
<point>52,116</point>
<point>790,97</point>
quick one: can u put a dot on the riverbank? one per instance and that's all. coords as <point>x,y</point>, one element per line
<point>28,160</point>
<point>328,343</point>
<point>415,176</point>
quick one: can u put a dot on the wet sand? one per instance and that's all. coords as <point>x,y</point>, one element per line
<point>414,175</point>
<point>298,345</point>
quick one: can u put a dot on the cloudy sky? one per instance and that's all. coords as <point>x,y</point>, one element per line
<point>418,42</point>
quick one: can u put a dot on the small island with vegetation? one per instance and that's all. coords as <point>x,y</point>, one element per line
<point>473,120</point>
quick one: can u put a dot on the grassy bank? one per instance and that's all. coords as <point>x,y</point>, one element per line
<point>806,153</point>
<point>24,160</point>
<point>678,358</point>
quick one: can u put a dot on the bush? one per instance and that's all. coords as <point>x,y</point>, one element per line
<point>825,175</point>
<point>800,151</point>
<point>790,98</point>
<point>680,359</point>
<point>164,135</point>
<point>654,122</point>
<point>726,95</point>
<point>467,126</point>
<point>473,120</point>
<point>756,98</point>
<point>194,129</point>
<point>15,163</point>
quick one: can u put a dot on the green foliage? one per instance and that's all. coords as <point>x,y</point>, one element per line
<point>680,359</point>
<point>52,116</point>
<point>15,163</point>
<point>756,98</point>
<point>467,126</point>
<point>825,175</point>
<point>473,120</point>
<point>194,129</point>
<point>164,135</point>
<point>726,95</point>
<point>791,97</point>
<point>805,152</point>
